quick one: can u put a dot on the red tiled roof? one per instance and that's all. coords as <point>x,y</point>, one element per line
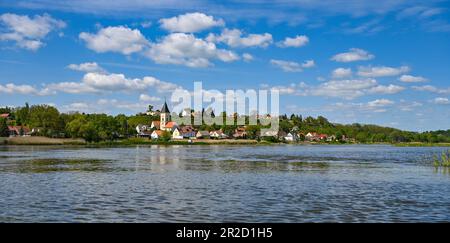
<point>158,132</point>
<point>4,115</point>
<point>171,124</point>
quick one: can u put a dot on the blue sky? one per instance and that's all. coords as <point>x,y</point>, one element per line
<point>380,62</point>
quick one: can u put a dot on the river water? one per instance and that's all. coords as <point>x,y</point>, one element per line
<point>280,183</point>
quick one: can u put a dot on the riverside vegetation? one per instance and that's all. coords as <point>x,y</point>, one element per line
<point>103,128</point>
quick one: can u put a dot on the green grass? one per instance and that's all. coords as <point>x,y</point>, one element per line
<point>443,160</point>
<point>419,144</point>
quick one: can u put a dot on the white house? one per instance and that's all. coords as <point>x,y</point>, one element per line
<point>177,134</point>
<point>218,134</point>
<point>156,134</point>
<point>143,130</point>
<point>291,137</point>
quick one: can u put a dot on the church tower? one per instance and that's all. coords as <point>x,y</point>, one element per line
<point>165,116</point>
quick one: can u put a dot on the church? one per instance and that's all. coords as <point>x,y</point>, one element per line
<point>164,123</point>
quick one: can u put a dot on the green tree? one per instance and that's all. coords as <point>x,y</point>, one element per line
<point>4,131</point>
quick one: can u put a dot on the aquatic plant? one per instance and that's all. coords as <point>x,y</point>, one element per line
<point>443,160</point>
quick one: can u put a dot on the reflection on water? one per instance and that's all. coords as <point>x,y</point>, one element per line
<point>222,184</point>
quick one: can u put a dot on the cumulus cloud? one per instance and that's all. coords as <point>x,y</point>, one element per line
<point>247,57</point>
<point>380,103</point>
<point>104,105</point>
<point>102,82</point>
<point>341,73</point>
<point>354,54</point>
<point>382,71</point>
<point>412,79</point>
<point>87,67</point>
<point>28,32</point>
<point>234,38</point>
<point>389,89</point>
<point>190,23</point>
<point>186,49</point>
<point>24,89</point>
<point>345,89</point>
<point>287,66</point>
<point>148,98</point>
<point>119,39</point>
<point>441,101</point>
<point>432,89</point>
<point>308,64</point>
<point>297,41</point>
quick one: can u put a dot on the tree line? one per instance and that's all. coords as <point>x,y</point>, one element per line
<point>49,122</point>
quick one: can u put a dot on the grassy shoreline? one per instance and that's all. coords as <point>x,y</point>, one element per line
<point>145,141</point>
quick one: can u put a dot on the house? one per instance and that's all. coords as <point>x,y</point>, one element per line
<point>240,132</point>
<point>19,131</point>
<point>143,130</point>
<point>217,134</point>
<point>331,138</point>
<point>170,126</point>
<point>291,137</point>
<point>183,132</point>
<point>177,133</point>
<point>202,134</point>
<point>155,125</point>
<point>312,136</point>
<point>156,134</point>
<point>316,137</point>
<point>188,131</point>
<point>4,115</point>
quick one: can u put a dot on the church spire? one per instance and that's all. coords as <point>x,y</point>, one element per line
<point>165,109</point>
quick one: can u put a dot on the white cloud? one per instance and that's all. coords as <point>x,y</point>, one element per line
<point>389,89</point>
<point>441,101</point>
<point>148,98</point>
<point>412,79</point>
<point>432,89</point>
<point>354,54</point>
<point>298,41</point>
<point>28,32</point>
<point>190,23</point>
<point>247,57</point>
<point>341,73</point>
<point>382,71</point>
<point>186,49</point>
<point>119,39</point>
<point>24,89</point>
<point>102,82</point>
<point>287,66</point>
<point>233,38</point>
<point>308,64</point>
<point>87,67</point>
<point>104,106</point>
<point>345,89</point>
<point>409,106</point>
<point>380,103</point>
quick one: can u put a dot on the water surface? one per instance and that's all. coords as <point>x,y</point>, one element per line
<point>281,183</point>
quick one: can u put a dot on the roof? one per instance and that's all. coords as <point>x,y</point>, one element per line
<point>165,109</point>
<point>203,133</point>
<point>171,124</point>
<point>17,129</point>
<point>156,124</point>
<point>4,115</point>
<point>158,132</point>
<point>187,129</point>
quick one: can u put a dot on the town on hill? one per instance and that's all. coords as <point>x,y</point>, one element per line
<point>47,121</point>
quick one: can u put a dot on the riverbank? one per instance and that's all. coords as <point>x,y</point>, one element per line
<point>35,140</point>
